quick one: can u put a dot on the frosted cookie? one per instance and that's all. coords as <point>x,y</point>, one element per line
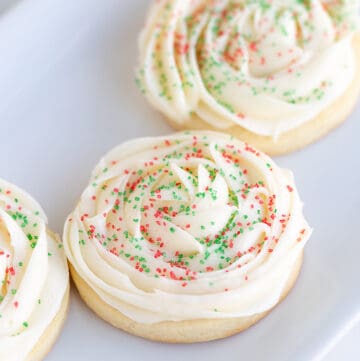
<point>186,238</point>
<point>34,278</point>
<point>277,74</point>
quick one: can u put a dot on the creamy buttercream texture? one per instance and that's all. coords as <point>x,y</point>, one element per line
<point>33,273</point>
<point>189,226</point>
<point>267,66</point>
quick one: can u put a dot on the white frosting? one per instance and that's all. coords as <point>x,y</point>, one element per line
<point>33,273</point>
<point>193,225</point>
<point>268,66</point>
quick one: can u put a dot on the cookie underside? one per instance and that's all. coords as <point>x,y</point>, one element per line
<point>200,330</point>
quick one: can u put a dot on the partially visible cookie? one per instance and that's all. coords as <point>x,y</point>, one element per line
<point>52,332</point>
<point>278,75</point>
<point>186,238</point>
<point>34,277</point>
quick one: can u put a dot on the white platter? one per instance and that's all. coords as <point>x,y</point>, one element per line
<point>67,95</point>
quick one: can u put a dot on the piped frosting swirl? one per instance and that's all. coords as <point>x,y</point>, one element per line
<point>33,273</point>
<point>267,66</point>
<point>193,225</point>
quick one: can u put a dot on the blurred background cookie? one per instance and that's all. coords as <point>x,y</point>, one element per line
<point>277,74</point>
